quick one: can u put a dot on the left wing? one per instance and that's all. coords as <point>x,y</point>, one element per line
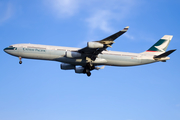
<point>96,47</point>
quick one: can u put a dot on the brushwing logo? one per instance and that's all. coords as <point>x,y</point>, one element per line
<point>162,46</point>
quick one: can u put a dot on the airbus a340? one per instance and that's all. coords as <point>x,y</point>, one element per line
<point>84,60</point>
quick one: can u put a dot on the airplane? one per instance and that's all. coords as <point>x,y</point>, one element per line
<point>84,60</point>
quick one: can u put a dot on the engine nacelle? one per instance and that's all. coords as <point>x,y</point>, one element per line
<point>95,45</point>
<point>79,69</point>
<point>70,54</point>
<point>67,66</point>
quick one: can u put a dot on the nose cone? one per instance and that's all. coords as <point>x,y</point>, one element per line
<point>9,49</point>
<point>5,49</point>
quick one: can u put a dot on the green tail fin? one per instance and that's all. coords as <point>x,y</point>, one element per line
<point>161,45</point>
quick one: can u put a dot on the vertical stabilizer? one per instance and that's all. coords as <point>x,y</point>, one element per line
<point>161,45</point>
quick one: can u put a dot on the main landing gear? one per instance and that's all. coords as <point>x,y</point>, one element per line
<point>88,68</point>
<point>88,74</point>
<point>20,62</point>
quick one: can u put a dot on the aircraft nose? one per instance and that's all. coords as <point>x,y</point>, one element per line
<point>8,49</point>
<point>5,49</point>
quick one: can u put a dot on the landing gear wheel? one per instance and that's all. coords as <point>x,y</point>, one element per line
<point>88,74</point>
<point>20,62</point>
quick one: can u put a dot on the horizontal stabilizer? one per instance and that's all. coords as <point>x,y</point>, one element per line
<point>164,54</point>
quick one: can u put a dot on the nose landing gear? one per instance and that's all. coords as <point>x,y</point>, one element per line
<point>20,62</point>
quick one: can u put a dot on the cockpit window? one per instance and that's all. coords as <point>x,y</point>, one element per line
<point>10,46</point>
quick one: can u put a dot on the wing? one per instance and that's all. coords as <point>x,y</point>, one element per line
<point>96,47</point>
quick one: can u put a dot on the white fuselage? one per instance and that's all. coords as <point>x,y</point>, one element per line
<point>57,53</point>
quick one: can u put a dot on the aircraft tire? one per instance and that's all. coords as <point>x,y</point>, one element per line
<point>88,74</point>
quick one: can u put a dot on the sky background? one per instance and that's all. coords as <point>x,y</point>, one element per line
<point>40,90</point>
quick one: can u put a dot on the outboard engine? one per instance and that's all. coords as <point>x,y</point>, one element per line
<point>65,66</point>
<point>95,45</point>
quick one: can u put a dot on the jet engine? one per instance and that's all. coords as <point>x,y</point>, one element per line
<point>82,70</point>
<point>71,54</point>
<point>65,66</point>
<point>95,45</point>
<point>79,69</point>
